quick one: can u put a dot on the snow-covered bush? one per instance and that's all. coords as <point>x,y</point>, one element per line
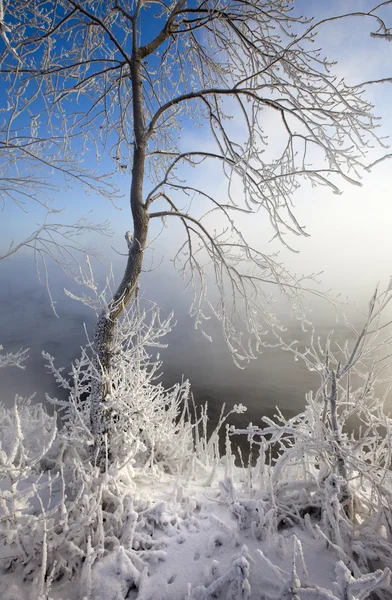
<point>27,433</point>
<point>332,473</point>
<point>151,434</point>
<point>147,422</point>
<point>61,512</point>
<point>142,418</point>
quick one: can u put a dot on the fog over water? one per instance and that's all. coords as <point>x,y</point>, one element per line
<point>26,319</point>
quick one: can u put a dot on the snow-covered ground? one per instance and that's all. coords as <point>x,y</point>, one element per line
<point>199,539</point>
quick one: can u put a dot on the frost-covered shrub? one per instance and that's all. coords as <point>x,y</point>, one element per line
<point>62,514</point>
<point>151,434</point>
<point>147,423</point>
<point>143,420</point>
<point>27,433</point>
<point>332,474</point>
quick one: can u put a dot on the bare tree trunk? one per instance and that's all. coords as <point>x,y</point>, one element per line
<point>107,322</point>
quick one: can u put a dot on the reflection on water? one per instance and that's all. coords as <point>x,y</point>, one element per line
<point>275,379</point>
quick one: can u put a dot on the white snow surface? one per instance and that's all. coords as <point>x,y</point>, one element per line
<point>201,541</point>
<point>201,550</point>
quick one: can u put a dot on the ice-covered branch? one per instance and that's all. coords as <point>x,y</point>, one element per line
<point>13,359</point>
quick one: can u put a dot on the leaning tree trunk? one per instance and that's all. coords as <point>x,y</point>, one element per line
<point>107,321</point>
<point>346,495</point>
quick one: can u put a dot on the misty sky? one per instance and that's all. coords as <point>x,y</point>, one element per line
<point>350,242</point>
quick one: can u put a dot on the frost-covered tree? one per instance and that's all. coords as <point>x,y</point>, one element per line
<point>136,80</point>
